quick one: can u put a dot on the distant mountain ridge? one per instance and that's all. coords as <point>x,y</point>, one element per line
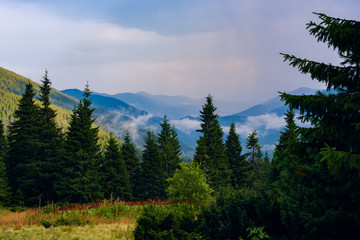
<point>107,103</point>
<point>12,86</point>
<point>266,118</point>
<point>160,105</point>
<point>274,105</point>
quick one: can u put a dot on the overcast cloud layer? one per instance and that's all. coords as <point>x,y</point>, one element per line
<point>228,48</point>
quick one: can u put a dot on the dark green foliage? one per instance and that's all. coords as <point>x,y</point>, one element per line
<point>169,148</point>
<point>256,166</point>
<point>116,181</point>
<point>210,150</point>
<point>22,159</point>
<point>4,184</point>
<point>169,222</point>
<point>237,162</point>
<point>286,166</point>
<point>152,177</point>
<point>230,216</point>
<point>319,183</point>
<point>133,167</point>
<point>290,134</point>
<point>50,142</point>
<point>79,180</point>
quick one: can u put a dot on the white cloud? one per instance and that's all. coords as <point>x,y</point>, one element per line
<point>134,125</point>
<point>186,125</point>
<point>269,121</point>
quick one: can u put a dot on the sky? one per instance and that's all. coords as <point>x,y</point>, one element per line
<point>227,48</point>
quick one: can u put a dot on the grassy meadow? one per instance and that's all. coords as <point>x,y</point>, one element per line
<point>101,220</point>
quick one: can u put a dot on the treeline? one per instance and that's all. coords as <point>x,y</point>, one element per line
<point>42,163</point>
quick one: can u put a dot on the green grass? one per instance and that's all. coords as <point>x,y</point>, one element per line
<point>100,231</point>
<point>102,220</point>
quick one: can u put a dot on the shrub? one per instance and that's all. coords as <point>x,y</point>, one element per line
<point>171,222</point>
<point>233,213</point>
<point>189,185</point>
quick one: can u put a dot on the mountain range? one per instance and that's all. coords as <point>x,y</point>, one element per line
<point>138,112</point>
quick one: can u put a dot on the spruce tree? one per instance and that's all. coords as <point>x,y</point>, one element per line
<point>50,141</point>
<point>256,165</point>
<point>133,167</point>
<point>237,162</point>
<point>286,154</point>
<point>210,150</point>
<point>79,179</point>
<point>325,198</point>
<point>290,133</point>
<point>169,147</point>
<point>4,184</point>
<point>153,178</point>
<point>116,180</point>
<point>22,161</point>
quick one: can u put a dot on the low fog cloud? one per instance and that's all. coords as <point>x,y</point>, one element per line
<point>186,125</point>
<point>117,123</point>
<point>261,124</point>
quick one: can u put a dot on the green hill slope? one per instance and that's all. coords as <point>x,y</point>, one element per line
<point>12,86</point>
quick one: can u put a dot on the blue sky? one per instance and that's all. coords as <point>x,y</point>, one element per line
<point>228,48</point>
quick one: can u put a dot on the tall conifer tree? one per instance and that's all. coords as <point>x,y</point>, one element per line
<point>133,167</point>
<point>115,176</point>
<point>50,140</point>
<point>326,203</point>
<point>4,184</point>
<point>237,162</point>
<point>169,147</point>
<point>210,150</point>
<point>79,179</point>
<point>286,157</point>
<point>22,162</point>
<point>256,164</point>
<point>153,178</point>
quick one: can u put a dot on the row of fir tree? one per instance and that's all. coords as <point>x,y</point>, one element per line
<point>39,163</point>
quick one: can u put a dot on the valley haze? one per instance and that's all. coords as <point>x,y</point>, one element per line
<point>138,112</point>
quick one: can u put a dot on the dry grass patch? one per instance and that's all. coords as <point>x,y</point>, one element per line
<point>96,232</point>
<point>8,218</point>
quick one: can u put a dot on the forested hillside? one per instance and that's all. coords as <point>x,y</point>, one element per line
<point>12,85</point>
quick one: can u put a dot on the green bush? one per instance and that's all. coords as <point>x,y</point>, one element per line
<point>233,213</point>
<point>171,222</point>
<point>189,185</point>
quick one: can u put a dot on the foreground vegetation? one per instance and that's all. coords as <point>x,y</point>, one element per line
<point>101,220</point>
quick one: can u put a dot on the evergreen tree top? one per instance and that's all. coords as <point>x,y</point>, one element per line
<point>165,128</point>
<point>45,90</point>
<point>233,141</point>
<point>208,116</point>
<point>333,114</point>
<point>252,140</point>
<point>343,35</point>
<point>127,138</point>
<point>87,92</point>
